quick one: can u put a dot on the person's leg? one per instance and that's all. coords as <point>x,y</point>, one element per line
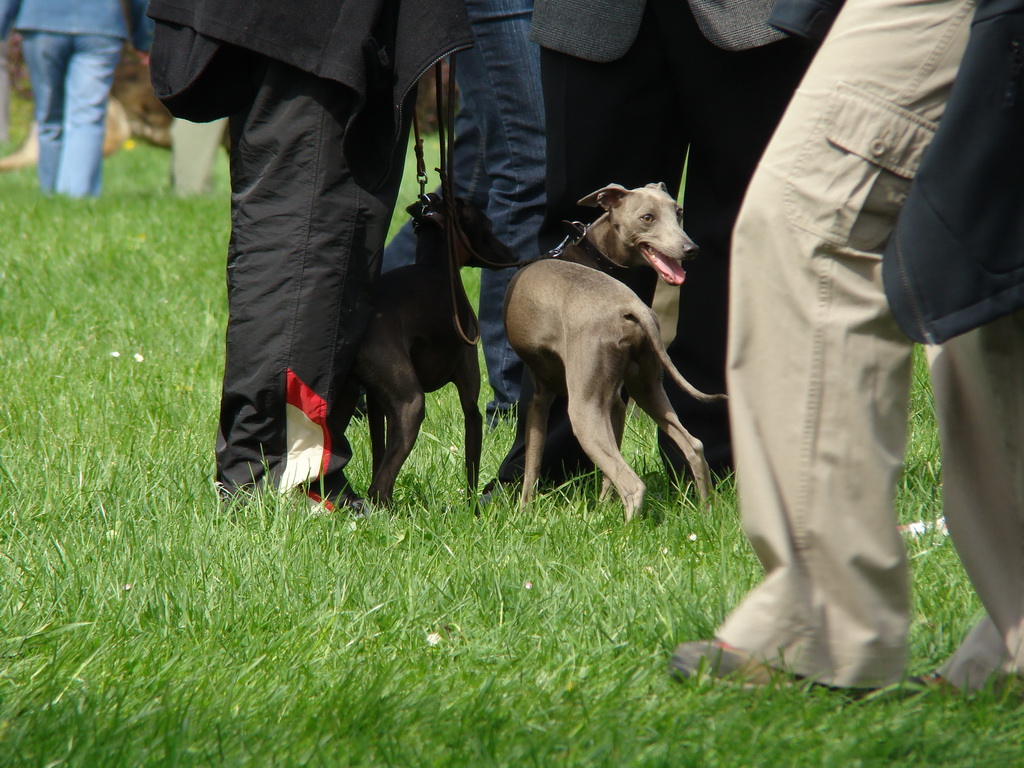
<point>978,380</point>
<point>499,80</point>
<point>734,101</point>
<point>194,148</point>
<point>303,257</point>
<point>47,56</point>
<point>89,77</point>
<point>5,93</point>
<point>818,370</point>
<point>632,135</point>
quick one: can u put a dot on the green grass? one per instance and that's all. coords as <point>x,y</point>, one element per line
<point>140,626</point>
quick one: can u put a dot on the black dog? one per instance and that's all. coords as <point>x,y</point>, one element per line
<point>417,340</point>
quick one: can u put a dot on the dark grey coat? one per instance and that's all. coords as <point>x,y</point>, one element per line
<point>204,51</point>
<point>335,39</point>
<point>603,30</point>
<point>956,258</point>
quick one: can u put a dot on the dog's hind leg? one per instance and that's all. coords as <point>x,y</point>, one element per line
<point>693,450</point>
<point>593,378</point>
<point>618,416</point>
<point>375,421</point>
<point>649,395</point>
<point>593,429</point>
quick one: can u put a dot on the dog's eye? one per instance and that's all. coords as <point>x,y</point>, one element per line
<point>679,215</point>
<point>647,218</point>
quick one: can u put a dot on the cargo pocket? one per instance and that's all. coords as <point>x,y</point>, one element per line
<point>855,169</point>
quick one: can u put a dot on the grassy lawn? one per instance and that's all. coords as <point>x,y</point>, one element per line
<point>139,626</point>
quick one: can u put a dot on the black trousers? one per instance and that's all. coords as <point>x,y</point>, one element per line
<point>303,258</point>
<point>673,101</point>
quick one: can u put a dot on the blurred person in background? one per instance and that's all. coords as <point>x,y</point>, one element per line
<point>72,48</point>
<point>5,92</point>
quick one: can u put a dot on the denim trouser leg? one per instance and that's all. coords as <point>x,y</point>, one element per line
<point>499,165</point>
<point>46,56</point>
<point>71,78</point>
<point>500,82</point>
<point>90,76</point>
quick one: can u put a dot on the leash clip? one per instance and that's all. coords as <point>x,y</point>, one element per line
<point>577,231</point>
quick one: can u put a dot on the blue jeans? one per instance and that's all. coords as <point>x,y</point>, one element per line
<point>5,94</point>
<point>71,77</point>
<point>499,166</point>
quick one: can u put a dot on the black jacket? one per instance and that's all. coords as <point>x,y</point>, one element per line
<point>204,50</point>
<point>956,258</point>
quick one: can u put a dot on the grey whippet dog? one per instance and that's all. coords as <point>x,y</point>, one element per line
<point>417,340</point>
<point>584,334</point>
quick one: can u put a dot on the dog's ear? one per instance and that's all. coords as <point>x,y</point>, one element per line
<point>659,185</point>
<point>606,198</point>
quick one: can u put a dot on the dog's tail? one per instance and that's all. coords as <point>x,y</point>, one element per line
<point>650,325</point>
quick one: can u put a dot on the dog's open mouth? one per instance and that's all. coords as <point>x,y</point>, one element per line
<point>669,270</point>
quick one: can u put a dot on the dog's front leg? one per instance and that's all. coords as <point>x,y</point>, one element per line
<point>467,381</point>
<point>594,430</point>
<point>404,419</point>
<point>536,433</point>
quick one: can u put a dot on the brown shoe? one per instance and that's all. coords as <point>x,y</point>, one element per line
<point>720,660</point>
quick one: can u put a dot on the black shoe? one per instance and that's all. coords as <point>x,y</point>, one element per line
<point>495,488</point>
<point>356,506</point>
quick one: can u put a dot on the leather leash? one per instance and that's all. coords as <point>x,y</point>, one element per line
<point>452,224</point>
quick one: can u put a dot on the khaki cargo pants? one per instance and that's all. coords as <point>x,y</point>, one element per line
<point>819,373</point>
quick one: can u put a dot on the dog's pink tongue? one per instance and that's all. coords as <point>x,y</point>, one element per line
<point>669,270</point>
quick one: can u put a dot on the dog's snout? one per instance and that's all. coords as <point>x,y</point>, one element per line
<point>690,250</point>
